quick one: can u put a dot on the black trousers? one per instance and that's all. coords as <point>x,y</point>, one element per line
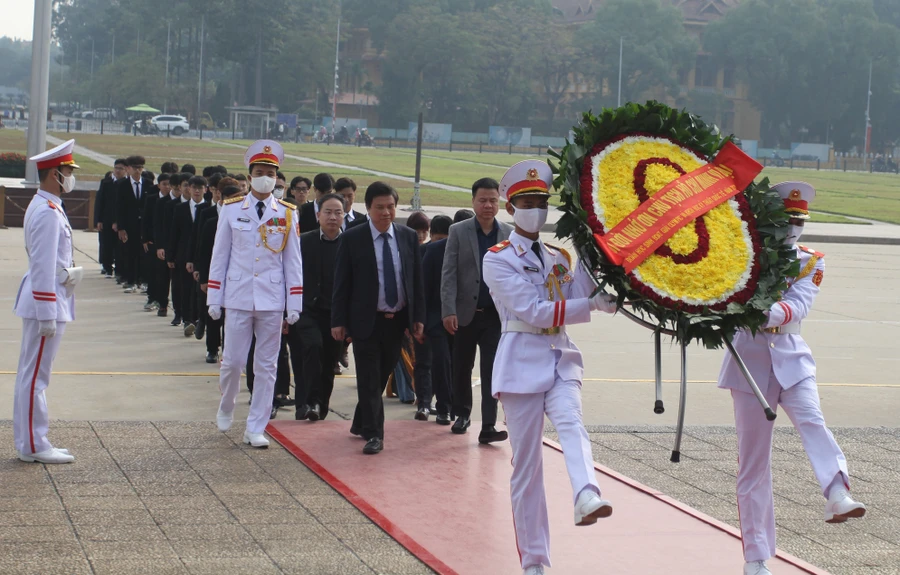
<point>375,358</point>
<point>108,241</point>
<point>214,329</point>
<point>316,352</point>
<point>282,375</point>
<point>132,250</point>
<point>484,333</point>
<point>188,299</point>
<point>147,268</point>
<point>162,279</point>
<point>432,372</point>
<point>175,278</point>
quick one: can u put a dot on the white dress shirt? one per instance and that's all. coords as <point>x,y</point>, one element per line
<point>398,272</point>
<point>136,188</point>
<point>348,218</point>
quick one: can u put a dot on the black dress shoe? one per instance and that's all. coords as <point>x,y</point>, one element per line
<point>176,321</point>
<point>462,424</point>
<point>345,360</point>
<point>302,413</point>
<point>201,329</point>
<point>211,357</point>
<point>373,446</point>
<point>274,412</point>
<point>163,312</point>
<point>314,412</point>
<point>491,435</point>
<point>284,401</point>
<point>442,419</point>
<point>422,414</point>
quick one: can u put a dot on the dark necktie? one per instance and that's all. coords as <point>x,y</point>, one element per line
<point>196,211</point>
<point>260,208</point>
<point>536,248</point>
<point>137,190</point>
<point>390,280</point>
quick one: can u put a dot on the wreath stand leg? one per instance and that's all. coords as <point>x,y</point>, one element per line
<point>658,407</point>
<point>770,414</point>
<point>679,431</point>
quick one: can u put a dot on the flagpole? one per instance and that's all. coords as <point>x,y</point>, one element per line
<point>868,132</point>
<point>621,46</point>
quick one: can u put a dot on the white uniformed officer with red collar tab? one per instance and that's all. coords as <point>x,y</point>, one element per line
<point>782,365</point>
<point>538,369</point>
<point>256,275</point>
<point>45,302</point>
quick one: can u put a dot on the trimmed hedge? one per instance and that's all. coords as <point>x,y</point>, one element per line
<point>12,165</point>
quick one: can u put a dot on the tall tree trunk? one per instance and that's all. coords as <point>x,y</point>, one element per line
<point>178,60</point>
<point>258,97</point>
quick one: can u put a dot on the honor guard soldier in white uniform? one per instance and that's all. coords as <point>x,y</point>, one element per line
<point>45,302</point>
<point>783,367</point>
<point>255,274</point>
<point>538,290</point>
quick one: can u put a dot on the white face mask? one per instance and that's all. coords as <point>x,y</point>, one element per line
<point>68,183</point>
<point>530,220</point>
<point>278,193</point>
<point>262,184</point>
<point>794,233</point>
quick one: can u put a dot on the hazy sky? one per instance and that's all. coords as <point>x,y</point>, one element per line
<point>18,18</point>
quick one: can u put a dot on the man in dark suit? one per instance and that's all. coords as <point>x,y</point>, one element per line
<point>156,270</point>
<point>468,308</point>
<point>161,223</point>
<point>309,220</point>
<point>346,188</point>
<point>179,250</point>
<point>212,197</point>
<point>131,193</point>
<point>378,294</point>
<point>432,370</point>
<point>312,332</point>
<point>105,217</point>
<point>298,193</point>
<point>182,194</point>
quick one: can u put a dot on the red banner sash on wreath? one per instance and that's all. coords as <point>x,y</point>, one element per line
<point>678,204</point>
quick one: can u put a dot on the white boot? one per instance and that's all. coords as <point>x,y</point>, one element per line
<point>49,456</point>
<point>589,507</point>
<point>223,420</point>
<point>841,506</point>
<point>756,568</point>
<point>256,439</point>
<point>534,570</point>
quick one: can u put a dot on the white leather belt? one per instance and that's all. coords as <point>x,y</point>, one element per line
<point>516,326</point>
<point>791,328</point>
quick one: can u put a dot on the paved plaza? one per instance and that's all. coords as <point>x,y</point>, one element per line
<point>156,489</point>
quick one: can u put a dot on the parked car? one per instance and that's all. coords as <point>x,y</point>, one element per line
<point>177,125</point>
<point>104,114</point>
<point>86,114</point>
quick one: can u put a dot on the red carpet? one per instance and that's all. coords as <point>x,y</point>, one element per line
<point>446,499</point>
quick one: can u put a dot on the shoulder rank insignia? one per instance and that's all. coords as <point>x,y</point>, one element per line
<point>232,200</point>
<point>499,247</point>
<point>52,205</point>
<point>818,277</point>
<point>563,251</point>
<point>811,251</point>
<point>288,205</point>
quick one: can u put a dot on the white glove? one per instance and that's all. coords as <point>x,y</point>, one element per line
<point>215,312</point>
<point>292,317</point>
<point>47,328</point>
<point>603,302</point>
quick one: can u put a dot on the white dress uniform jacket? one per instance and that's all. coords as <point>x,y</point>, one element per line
<point>256,261</point>
<point>520,285</point>
<point>785,354</point>
<point>48,242</point>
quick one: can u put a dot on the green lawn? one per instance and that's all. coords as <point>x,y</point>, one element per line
<point>871,196</point>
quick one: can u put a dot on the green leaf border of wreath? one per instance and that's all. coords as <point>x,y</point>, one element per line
<point>777,261</point>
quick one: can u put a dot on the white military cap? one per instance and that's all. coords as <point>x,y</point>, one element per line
<point>61,155</point>
<point>528,177</point>
<point>796,196</point>
<point>267,152</point>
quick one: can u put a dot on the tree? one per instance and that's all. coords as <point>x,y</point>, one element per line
<point>657,48</point>
<point>559,63</point>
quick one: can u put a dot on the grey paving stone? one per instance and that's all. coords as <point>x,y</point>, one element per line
<point>111,517</point>
<point>36,534</point>
<point>249,515</point>
<point>119,533</point>
<point>120,550</point>
<point>156,566</point>
<point>208,516</point>
<point>14,518</point>
<point>312,530</point>
<point>116,502</point>
<point>217,549</point>
<point>345,564</point>
<point>220,532</point>
<point>29,503</point>
<point>43,566</point>
<point>122,489</point>
<point>232,566</point>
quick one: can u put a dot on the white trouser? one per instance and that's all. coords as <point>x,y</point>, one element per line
<point>756,503</point>
<point>525,421</point>
<point>240,327</point>
<point>30,419</point>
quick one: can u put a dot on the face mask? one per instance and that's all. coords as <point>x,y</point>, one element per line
<point>67,183</point>
<point>278,193</point>
<point>262,184</point>
<point>530,220</point>
<point>794,233</point>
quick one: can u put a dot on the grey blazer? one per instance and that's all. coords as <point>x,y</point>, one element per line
<point>461,274</point>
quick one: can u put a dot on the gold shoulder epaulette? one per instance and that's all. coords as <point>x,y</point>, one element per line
<point>563,251</point>
<point>499,247</point>
<point>232,200</point>
<point>287,204</point>
<point>52,205</point>
<point>811,251</point>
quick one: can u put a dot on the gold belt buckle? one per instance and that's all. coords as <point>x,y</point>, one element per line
<point>772,330</point>
<point>550,331</point>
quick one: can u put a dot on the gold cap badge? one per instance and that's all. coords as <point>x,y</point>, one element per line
<point>267,149</point>
<point>532,174</point>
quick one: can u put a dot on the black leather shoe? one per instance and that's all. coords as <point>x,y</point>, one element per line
<point>201,329</point>
<point>345,360</point>
<point>302,413</point>
<point>211,357</point>
<point>462,424</point>
<point>442,419</point>
<point>284,401</point>
<point>422,414</point>
<point>373,446</point>
<point>314,412</point>
<point>491,435</point>
<point>274,412</point>
<point>163,312</point>
<point>176,321</point>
